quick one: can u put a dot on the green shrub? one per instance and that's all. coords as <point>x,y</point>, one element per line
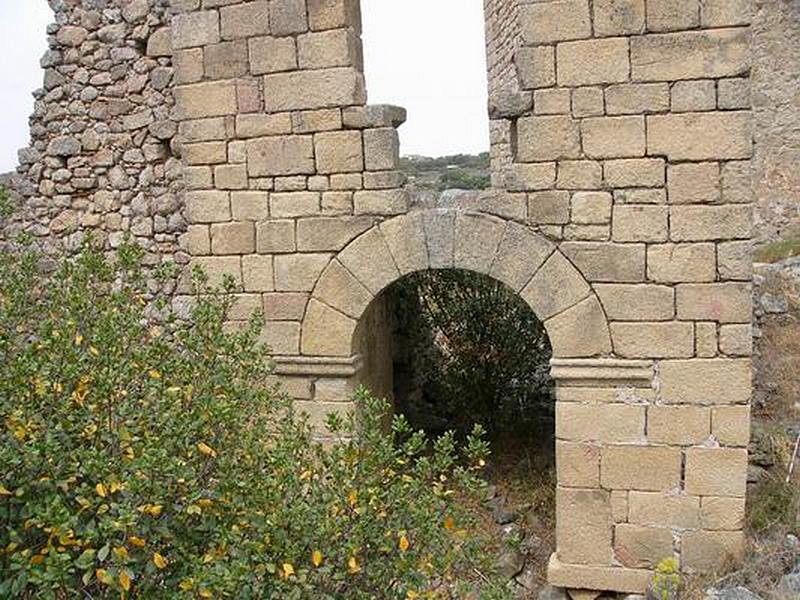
<point>480,352</point>
<point>155,460</point>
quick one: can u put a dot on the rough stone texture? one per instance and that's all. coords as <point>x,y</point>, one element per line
<point>235,136</point>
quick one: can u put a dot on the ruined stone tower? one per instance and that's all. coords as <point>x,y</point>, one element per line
<point>236,136</point>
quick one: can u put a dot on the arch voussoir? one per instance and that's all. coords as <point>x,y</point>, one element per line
<point>580,331</point>
<point>477,238</point>
<point>326,331</point>
<point>368,258</point>
<point>440,232</point>
<point>555,287</point>
<point>340,289</point>
<point>405,237</point>
<point>522,251</point>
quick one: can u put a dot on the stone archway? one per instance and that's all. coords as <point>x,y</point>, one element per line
<point>515,254</point>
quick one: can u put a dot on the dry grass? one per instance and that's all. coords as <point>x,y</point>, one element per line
<point>780,250</point>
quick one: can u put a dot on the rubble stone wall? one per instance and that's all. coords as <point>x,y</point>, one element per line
<point>102,157</point>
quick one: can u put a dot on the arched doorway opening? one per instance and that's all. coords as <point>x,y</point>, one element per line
<point>454,349</point>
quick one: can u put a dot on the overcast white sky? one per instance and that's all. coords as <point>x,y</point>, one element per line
<point>424,55</point>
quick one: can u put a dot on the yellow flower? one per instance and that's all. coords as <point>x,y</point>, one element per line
<point>125,580</point>
<point>411,595</point>
<point>186,585</point>
<point>403,543</point>
<point>316,558</point>
<point>352,565</point>
<point>78,339</point>
<point>288,570</point>
<point>204,593</point>
<point>159,561</point>
<point>136,541</point>
<point>4,491</point>
<point>305,475</point>
<point>121,552</point>
<point>100,490</point>
<point>352,498</point>
<point>206,449</point>
<point>116,486</point>
<point>154,374</point>
<point>449,523</point>
<point>103,576</point>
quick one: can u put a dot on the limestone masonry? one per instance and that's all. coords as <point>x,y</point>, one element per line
<point>236,136</point>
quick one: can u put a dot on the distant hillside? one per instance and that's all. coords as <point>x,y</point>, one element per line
<point>459,171</point>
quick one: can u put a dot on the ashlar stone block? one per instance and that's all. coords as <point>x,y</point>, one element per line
<point>618,17</point>
<point>644,468</point>
<point>547,138</point>
<point>637,302</point>
<point>339,152</point>
<point>636,546</point>
<point>272,55</point>
<point>339,289</point>
<point>706,381</point>
<point>706,54</point>
<point>580,331</point>
<point>245,20</point>
<point>323,88</point>
<point>556,286</point>
<point>548,22</point>
<point>593,62</point>
<point>613,137</point>
<point>280,155</point>
<point>716,471</point>
<point>583,526</point>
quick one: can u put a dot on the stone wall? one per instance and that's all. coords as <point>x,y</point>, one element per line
<point>102,158</point>
<point>776,102</point>
<point>621,214</point>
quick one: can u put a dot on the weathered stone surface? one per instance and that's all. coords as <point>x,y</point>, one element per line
<point>339,152</point>
<point>547,22</point>
<point>706,381</point>
<point>578,465</point>
<point>664,510</point>
<point>580,331</point>
<point>613,137</point>
<point>272,55</point>
<point>604,423</point>
<point>699,223</point>
<point>298,272</point>
<point>556,274</point>
<point>405,237</point>
<point>700,136</point>
<point>326,332</point>
<point>369,259</point>
<point>636,302</point>
<point>678,425</point>
<point>338,288</point>
<point>674,263</point>
<point>729,302</point>
<point>587,512</point>
<point>645,468</point>
<point>302,90</point>
<point>689,55</point>
<point>477,238</point>
<point>244,20</point>
<point>206,99</point>
<point>548,138</point>
<point>607,262</point>
<point>653,340</point>
<point>280,155</point>
<point>592,62</point>
<point>637,546</point>
<point>618,17</point>
<point>706,551</point>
